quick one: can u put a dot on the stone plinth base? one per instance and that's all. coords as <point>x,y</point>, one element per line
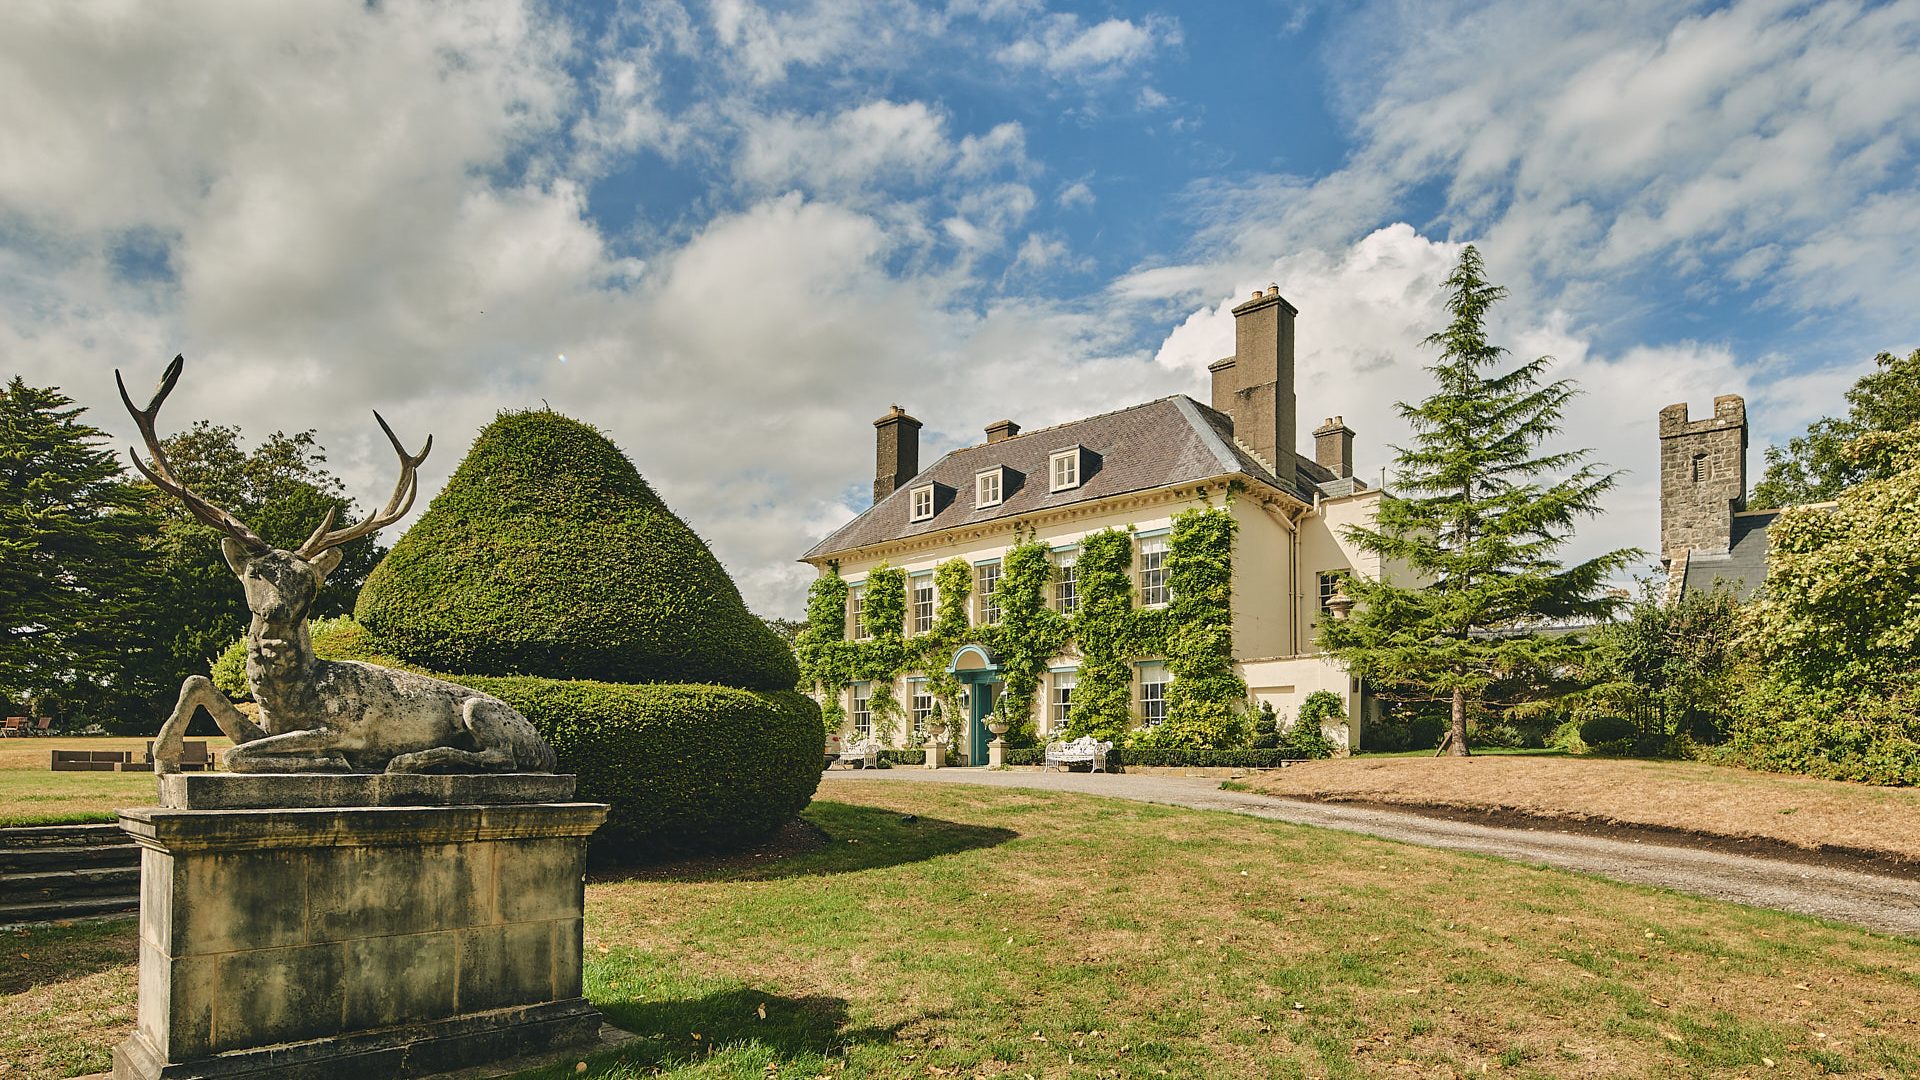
<point>367,942</point>
<point>997,754</point>
<point>273,791</point>
<point>936,755</point>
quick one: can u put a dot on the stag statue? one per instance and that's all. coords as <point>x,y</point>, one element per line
<point>327,715</point>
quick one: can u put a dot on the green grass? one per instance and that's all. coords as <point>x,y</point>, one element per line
<point>960,931</point>
<point>50,798</point>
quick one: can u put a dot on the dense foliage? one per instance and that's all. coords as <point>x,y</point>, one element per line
<point>73,537</point>
<point>1826,460</point>
<point>1836,633</point>
<point>1307,736</point>
<point>1671,669</point>
<point>548,554</point>
<point>1481,514</point>
<point>1207,701</point>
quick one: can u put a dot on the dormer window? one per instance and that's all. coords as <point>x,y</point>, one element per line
<point>922,503</point>
<point>1063,469</point>
<point>987,487</point>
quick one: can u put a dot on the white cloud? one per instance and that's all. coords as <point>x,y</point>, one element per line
<point>1065,47</point>
<point>1075,194</point>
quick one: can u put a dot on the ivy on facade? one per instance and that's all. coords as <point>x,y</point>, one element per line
<point>1205,704</point>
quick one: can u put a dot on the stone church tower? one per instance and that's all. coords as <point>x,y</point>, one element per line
<point>1703,482</point>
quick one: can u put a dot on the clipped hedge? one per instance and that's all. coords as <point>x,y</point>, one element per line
<point>548,554</point>
<point>685,767</point>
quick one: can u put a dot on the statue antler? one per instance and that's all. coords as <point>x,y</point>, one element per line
<point>396,508</point>
<point>161,473</point>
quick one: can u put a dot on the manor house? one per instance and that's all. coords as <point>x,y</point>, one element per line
<point>1134,468</point>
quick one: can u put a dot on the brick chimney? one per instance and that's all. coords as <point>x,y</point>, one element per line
<point>1002,430</point>
<point>1333,447</point>
<point>1254,386</point>
<point>896,454</point>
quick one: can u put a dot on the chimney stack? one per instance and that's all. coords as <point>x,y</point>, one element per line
<point>1254,386</point>
<point>896,456</point>
<point>1002,430</point>
<point>1333,447</point>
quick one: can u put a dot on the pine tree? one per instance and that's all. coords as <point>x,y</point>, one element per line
<point>1472,534</point>
<point>74,593</point>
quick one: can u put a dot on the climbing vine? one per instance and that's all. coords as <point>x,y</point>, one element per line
<point>1206,701</point>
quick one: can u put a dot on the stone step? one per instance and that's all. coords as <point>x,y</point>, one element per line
<point>59,885</point>
<point>26,860</point>
<point>57,910</point>
<point>24,836</point>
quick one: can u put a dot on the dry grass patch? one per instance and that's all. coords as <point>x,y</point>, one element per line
<point>1799,811</point>
<point>952,931</point>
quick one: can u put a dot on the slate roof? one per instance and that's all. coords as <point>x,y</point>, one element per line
<point>1744,567</point>
<point>1174,440</point>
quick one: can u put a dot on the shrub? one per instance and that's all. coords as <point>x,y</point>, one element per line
<point>1872,740</point>
<point>547,554</point>
<point>1266,728</point>
<point>684,767</point>
<point>1307,738</point>
<point>1608,734</point>
<point>1119,757</point>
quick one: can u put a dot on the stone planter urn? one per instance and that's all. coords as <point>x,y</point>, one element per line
<point>997,749</point>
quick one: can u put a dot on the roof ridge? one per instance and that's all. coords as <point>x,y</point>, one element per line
<point>1069,423</point>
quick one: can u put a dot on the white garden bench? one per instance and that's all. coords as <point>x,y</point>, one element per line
<point>864,754</point>
<point>1084,749</point>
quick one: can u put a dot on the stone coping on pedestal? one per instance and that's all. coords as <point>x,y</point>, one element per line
<point>278,791</point>
<point>164,828</point>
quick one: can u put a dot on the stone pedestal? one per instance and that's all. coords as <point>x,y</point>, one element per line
<point>307,941</point>
<point>997,754</point>
<point>936,755</point>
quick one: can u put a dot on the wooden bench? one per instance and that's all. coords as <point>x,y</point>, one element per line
<point>91,760</point>
<point>15,727</point>
<point>1086,749</point>
<point>194,756</point>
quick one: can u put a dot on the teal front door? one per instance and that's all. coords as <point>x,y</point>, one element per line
<point>980,696</point>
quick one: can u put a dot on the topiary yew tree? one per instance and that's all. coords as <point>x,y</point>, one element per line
<point>548,573</point>
<point>548,554</point>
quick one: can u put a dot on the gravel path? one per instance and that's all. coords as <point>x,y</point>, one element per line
<point>1877,902</point>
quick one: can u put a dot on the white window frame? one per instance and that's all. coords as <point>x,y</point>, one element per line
<point>1153,706</point>
<point>862,711</point>
<point>980,480</point>
<point>1060,699</point>
<point>1155,590</point>
<point>1329,583</point>
<point>931,608</point>
<point>1066,584</point>
<point>920,699</point>
<point>1067,461</point>
<point>921,503</point>
<point>857,612</point>
<point>987,593</point>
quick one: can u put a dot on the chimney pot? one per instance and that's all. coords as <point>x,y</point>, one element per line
<point>1273,289</point>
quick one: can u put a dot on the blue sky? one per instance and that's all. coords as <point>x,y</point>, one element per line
<point>731,234</point>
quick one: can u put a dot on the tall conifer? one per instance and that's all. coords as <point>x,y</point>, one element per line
<point>1468,542</point>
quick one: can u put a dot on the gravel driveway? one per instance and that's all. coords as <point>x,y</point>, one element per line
<point>1877,902</point>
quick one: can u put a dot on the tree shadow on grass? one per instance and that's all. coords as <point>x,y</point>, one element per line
<point>832,838</point>
<point>50,954</point>
<point>743,1022</point>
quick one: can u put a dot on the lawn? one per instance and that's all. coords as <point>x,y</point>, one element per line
<point>959,931</point>
<point>32,794</point>
<point>1797,810</point>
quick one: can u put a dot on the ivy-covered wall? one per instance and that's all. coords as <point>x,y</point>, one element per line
<point>1206,703</point>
